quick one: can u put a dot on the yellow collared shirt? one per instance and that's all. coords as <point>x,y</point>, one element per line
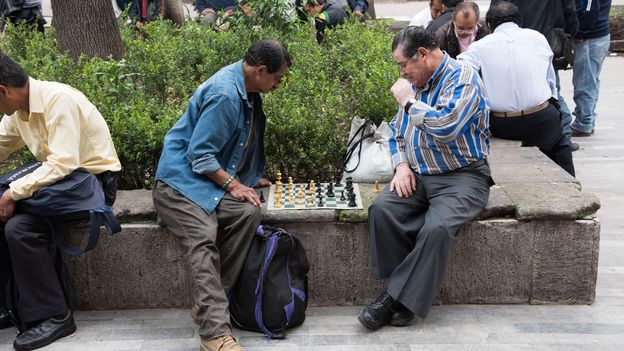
<point>63,130</point>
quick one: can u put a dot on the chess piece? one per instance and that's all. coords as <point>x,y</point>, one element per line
<point>330,191</point>
<point>262,197</point>
<point>310,202</point>
<point>278,202</point>
<point>352,201</point>
<point>342,197</point>
<point>377,189</point>
<point>291,199</point>
<point>338,183</point>
<point>320,202</point>
<point>278,177</point>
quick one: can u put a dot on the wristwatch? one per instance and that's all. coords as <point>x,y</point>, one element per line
<point>409,104</point>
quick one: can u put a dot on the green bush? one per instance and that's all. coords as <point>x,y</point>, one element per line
<point>145,93</point>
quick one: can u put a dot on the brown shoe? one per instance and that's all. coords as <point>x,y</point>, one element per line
<point>578,133</point>
<point>221,343</point>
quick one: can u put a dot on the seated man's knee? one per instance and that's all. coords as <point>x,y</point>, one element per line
<point>251,212</point>
<point>15,231</point>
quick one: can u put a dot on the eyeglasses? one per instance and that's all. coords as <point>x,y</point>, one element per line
<point>403,64</point>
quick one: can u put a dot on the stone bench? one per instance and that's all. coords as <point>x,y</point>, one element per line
<point>535,242</point>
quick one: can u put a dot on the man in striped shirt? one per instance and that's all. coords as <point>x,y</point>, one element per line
<point>442,180</point>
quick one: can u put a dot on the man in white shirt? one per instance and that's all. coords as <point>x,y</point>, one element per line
<point>426,15</point>
<point>516,67</point>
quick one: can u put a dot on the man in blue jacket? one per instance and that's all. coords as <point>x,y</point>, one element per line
<point>211,159</point>
<point>592,46</point>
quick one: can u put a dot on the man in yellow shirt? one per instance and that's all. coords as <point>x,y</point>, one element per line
<point>64,131</point>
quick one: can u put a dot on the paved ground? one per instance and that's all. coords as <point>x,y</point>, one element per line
<point>599,166</point>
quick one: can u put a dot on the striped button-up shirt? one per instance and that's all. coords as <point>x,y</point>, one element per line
<point>448,127</point>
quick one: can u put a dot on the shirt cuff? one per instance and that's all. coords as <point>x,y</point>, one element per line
<point>206,164</point>
<point>398,158</point>
<point>417,112</point>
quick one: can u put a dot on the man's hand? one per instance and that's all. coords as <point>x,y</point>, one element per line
<point>7,206</point>
<point>207,11</point>
<point>402,91</point>
<point>263,182</point>
<point>138,24</point>
<point>243,194</point>
<point>404,181</point>
<point>358,13</point>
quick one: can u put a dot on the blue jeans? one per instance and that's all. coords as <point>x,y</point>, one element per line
<point>590,54</point>
<point>566,116</point>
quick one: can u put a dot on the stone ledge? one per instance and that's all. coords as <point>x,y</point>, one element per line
<point>495,261</point>
<point>529,186</point>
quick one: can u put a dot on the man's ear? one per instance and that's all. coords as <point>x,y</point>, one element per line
<point>3,90</point>
<point>262,69</point>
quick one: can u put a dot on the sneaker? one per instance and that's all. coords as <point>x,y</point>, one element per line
<point>221,343</point>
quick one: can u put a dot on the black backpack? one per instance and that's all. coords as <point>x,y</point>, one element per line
<point>271,294</point>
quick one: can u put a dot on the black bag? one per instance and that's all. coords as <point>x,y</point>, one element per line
<point>562,45</point>
<point>80,191</point>
<point>271,294</point>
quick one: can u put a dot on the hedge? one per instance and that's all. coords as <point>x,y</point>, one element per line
<point>142,95</point>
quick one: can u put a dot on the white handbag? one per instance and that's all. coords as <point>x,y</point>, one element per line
<point>368,154</point>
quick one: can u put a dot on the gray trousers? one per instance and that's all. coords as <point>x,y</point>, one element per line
<point>216,246</point>
<point>411,237</point>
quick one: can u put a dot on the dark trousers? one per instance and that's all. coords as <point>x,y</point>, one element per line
<point>411,237</point>
<point>542,129</point>
<point>26,240</point>
<point>30,247</point>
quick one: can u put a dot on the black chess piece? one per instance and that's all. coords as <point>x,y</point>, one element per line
<point>330,191</point>
<point>338,183</point>
<point>342,197</point>
<point>262,197</point>
<point>320,202</point>
<point>352,201</point>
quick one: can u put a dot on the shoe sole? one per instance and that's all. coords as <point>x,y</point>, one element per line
<point>368,326</point>
<point>402,323</point>
<point>60,334</point>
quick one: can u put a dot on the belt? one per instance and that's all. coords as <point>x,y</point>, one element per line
<point>523,112</point>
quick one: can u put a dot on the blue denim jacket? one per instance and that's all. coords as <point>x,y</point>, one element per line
<point>211,135</point>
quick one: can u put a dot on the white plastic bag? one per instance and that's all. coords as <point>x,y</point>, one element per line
<point>368,154</point>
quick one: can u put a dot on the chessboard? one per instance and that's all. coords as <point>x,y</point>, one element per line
<point>321,196</point>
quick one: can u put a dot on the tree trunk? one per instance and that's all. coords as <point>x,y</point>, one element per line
<point>87,27</point>
<point>174,11</point>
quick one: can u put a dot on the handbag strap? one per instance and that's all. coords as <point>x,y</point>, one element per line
<point>99,217</point>
<point>357,145</point>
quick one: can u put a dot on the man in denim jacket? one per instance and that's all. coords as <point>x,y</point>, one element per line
<point>211,159</point>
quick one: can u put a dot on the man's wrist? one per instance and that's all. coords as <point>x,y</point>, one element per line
<point>409,104</point>
<point>227,182</point>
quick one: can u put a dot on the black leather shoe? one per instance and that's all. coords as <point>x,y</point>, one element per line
<point>378,313</point>
<point>5,319</point>
<point>45,333</point>
<point>574,146</point>
<point>402,318</point>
